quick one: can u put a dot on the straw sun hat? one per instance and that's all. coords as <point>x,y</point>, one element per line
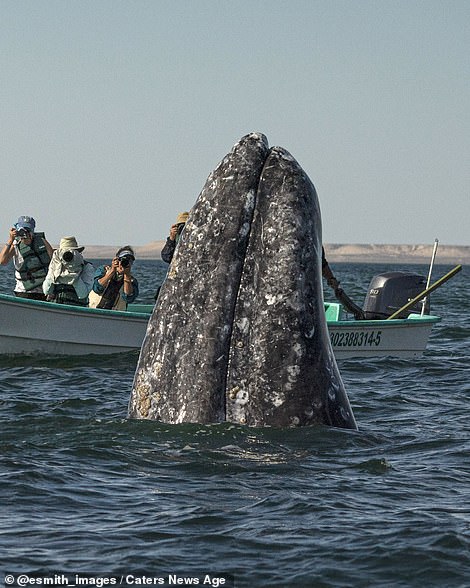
<point>67,243</point>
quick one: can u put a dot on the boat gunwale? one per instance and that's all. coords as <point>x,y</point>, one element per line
<point>414,319</point>
<point>411,320</point>
<point>70,308</point>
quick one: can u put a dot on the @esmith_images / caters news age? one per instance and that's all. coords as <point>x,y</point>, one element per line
<point>212,580</point>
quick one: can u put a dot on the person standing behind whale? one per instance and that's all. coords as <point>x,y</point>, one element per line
<point>172,241</point>
<point>175,233</point>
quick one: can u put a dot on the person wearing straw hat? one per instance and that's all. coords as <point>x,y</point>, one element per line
<point>70,277</point>
<point>114,286</point>
<point>175,234</point>
<point>172,241</point>
<point>31,254</point>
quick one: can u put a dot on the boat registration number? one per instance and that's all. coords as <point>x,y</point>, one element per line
<point>356,339</point>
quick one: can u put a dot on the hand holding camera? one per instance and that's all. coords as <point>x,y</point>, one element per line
<point>13,235</point>
<point>16,235</point>
<point>173,232</point>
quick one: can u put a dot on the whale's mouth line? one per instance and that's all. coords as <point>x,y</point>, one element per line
<point>238,288</point>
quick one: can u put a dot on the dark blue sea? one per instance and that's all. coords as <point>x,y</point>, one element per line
<point>85,491</point>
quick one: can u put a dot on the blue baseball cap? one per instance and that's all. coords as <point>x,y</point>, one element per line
<point>26,222</point>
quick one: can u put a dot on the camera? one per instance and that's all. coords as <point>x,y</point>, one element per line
<point>67,256</point>
<point>125,261</point>
<point>22,233</point>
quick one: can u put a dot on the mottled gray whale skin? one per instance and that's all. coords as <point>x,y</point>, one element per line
<point>239,331</point>
<point>282,370</point>
<point>181,372</point>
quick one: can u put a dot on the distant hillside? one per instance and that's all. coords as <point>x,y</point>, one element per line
<point>150,251</point>
<point>335,252</point>
<point>338,252</point>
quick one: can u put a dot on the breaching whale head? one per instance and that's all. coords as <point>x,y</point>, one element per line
<point>239,332</point>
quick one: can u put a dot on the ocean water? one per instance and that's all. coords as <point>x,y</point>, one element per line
<point>84,490</point>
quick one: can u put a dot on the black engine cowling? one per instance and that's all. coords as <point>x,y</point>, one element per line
<point>390,291</point>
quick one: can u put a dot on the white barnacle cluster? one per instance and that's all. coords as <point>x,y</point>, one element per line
<point>217,227</point>
<point>293,373</point>
<point>238,397</point>
<point>243,325</point>
<point>177,415</point>
<point>250,200</point>
<point>142,390</point>
<point>272,299</point>
<point>298,349</point>
<point>276,398</point>
<point>173,271</point>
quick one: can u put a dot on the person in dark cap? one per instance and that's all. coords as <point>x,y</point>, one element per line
<point>31,254</point>
<point>114,286</point>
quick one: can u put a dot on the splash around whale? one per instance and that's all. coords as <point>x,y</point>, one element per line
<point>238,332</point>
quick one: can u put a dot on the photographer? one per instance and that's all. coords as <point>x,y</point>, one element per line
<point>70,278</point>
<point>172,241</point>
<point>114,286</point>
<point>31,254</point>
<point>175,234</point>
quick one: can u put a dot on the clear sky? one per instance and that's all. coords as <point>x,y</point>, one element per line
<point>113,112</point>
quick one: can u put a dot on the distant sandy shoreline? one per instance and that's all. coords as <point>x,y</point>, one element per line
<point>335,253</point>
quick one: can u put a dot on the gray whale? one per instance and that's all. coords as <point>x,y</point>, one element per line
<point>239,332</point>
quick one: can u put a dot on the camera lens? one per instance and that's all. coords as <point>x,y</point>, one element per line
<point>125,261</point>
<point>67,256</point>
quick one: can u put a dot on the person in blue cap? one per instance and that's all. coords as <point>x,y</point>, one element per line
<point>31,254</point>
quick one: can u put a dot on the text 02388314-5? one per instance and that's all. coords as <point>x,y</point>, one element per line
<point>356,338</point>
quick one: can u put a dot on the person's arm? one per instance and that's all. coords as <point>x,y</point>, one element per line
<point>8,250</point>
<point>84,282</point>
<point>170,245</point>
<point>53,272</point>
<point>49,247</point>
<point>103,276</point>
<point>130,290</point>
<point>48,284</point>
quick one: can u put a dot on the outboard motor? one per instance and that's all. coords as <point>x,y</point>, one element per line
<point>390,291</point>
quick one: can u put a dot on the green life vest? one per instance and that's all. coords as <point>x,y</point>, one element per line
<point>36,260</point>
<point>66,294</point>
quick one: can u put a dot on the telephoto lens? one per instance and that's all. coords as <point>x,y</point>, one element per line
<point>67,256</point>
